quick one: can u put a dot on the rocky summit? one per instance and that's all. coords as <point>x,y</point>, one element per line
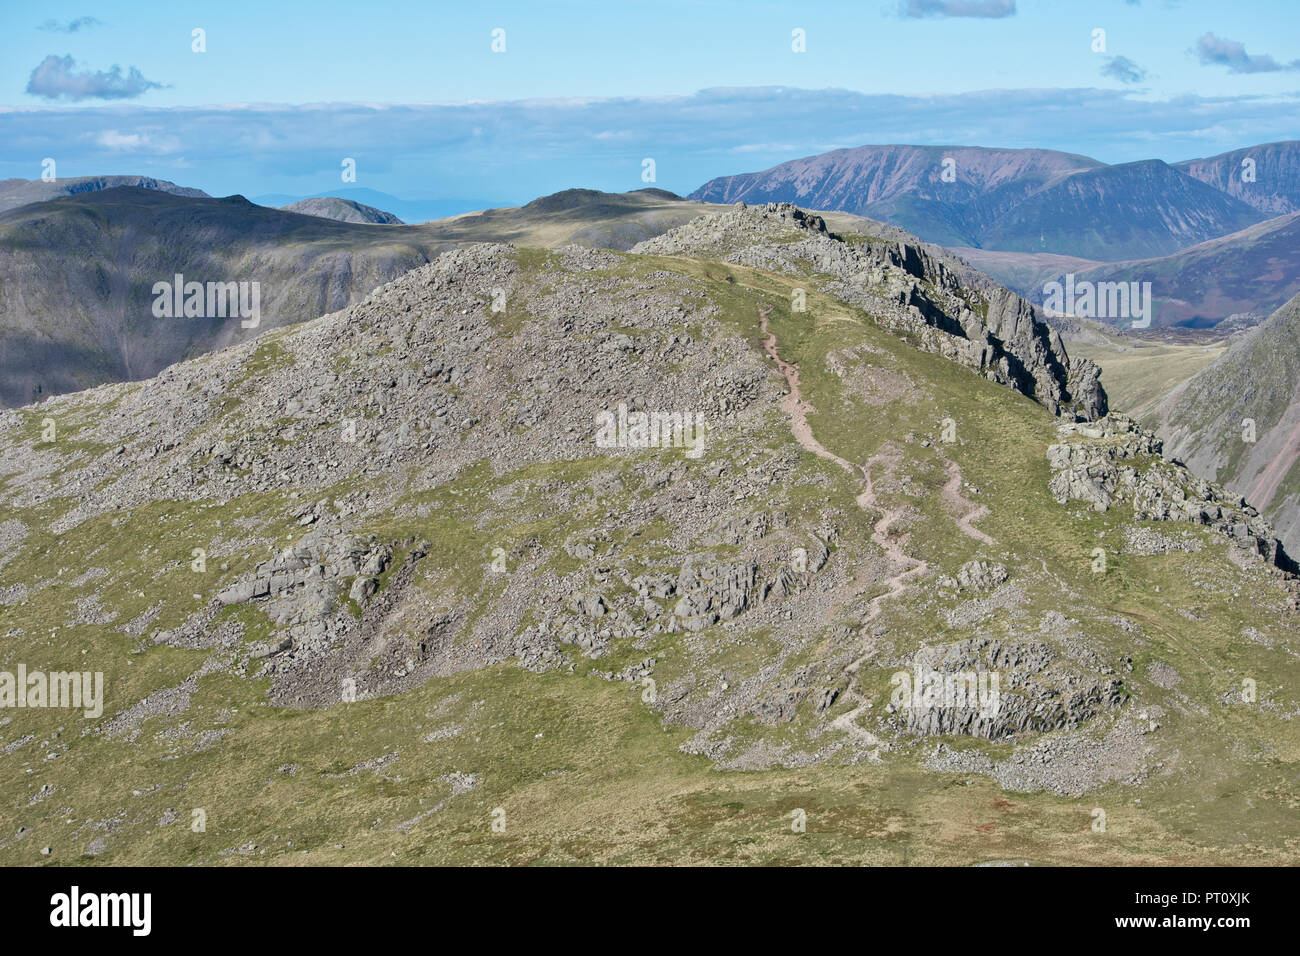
<point>917,291</point>
<point>641,551</point>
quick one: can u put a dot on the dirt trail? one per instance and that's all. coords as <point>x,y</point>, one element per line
<point>794,406</point>
<point>908,567</point>
<point>797,409</point>
<point>967,510</point>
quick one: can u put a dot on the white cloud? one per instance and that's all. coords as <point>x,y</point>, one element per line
<point>516,151</point>
<point>56,77</point>
<point>145,141</point>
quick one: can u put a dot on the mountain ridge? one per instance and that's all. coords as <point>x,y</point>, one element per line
<point>1274,171</point>
<point>1237,421</point>
<point>399,521</point>
<point>1252,271</point>
<point>343,210</point>
<point>21,192</point>
<point>77,273</point>
<point>1019,200</point>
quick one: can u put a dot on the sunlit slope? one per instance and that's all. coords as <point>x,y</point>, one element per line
<point>492,640</point>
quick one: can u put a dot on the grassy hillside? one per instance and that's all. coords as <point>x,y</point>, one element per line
<point>1140,373</point>
<point>574,754</point>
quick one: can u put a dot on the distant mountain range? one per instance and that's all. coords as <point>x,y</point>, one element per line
<point>407,210</point>
<point>342,210</point>
<point>77,272</point>
<point>1250,272</point>
<point>20,192</point>
<point>1272,184</point>
<point>79,257</point>
<point>346,205</point>
<point>1035,200</point>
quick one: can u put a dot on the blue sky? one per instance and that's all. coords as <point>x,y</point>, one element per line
<point>585,91</point>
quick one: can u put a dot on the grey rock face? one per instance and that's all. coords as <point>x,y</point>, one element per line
<point>1115,460</point>
<point>711,594</point>
<point>981,575</point>
<point>300,587</point>
<point>1037,691</point>
<point>936,302</point>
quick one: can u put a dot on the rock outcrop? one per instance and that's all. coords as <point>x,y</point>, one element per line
<point>997,690</point>
<point>1114,460</point>
<point>981,575</point>
<point>915,290</point>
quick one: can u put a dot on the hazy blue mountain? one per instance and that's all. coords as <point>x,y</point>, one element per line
<point>1249,272</point>
<point>1270,181</point>
<point>20,192</point>
<point>1134,210</point>
<point>342,210</point>
<point>407,210</point>
<point>1024,200</point>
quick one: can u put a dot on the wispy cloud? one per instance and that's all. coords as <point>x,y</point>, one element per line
<point>70,26</point>
<point>991,9</point>
<point>1215,51</point>
<point>139,141</point>
<point>56,77</point>
<point>1123,69</point>
<point>517,150</point>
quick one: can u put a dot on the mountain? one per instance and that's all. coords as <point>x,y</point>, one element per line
<point>904,184</point>
<point>587,217</point>
<point>20,192</point>
<point>1257,378</point>
<point>77,278</point>
<point>1036,201</point>
<point>414,582</point>
<point>937,302</point>
<point>408,210</point>
<point>343,210</point>
<point>77,273</point>
<point>1117,212</point>
<point>1266,177</point>
<point>1249,272</point>
<point>1026,272</point>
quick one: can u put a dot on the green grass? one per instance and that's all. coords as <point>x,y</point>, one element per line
<point>608,781</point>
<point>1139,375</point>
